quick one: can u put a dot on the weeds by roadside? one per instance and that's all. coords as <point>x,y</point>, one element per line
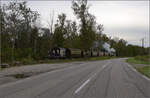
<point>144,60</point>
<point>144,70</point>
<point>25,62</point>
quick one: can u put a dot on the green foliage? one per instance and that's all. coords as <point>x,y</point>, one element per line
<point>58,38</point>
<point>71,36</point>
<point>87,33</point>
<point>6,54</point>
<point>17,22</point>
<point>60,31</point>
<point>28,60</point>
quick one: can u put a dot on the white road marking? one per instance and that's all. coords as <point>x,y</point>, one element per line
<point>104,66</point>
<point>138,72</point>
<point>87,81</point>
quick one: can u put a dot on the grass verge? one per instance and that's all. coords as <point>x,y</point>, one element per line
<point>144,70</point>
<point>51,61</point>
<point>136,61</point>
<point>79,59</point>
<point>144,61</point>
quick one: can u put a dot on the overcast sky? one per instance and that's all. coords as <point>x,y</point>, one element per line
<point>124,19</point>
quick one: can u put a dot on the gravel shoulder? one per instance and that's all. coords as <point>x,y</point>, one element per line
<point>8,75</point>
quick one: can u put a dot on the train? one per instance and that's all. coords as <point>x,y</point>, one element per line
<point>57,52</point>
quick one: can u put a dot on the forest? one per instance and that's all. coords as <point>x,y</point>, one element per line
<point>22,38</point>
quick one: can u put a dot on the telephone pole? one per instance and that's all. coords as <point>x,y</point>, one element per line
<point>143,45</point>
<point>142,42</point>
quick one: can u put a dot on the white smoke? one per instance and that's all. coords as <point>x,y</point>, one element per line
<point>107,47</point>
<point>112,50</point>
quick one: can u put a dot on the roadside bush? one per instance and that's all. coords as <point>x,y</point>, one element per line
<point>6,55</point>
<point>28,61</point>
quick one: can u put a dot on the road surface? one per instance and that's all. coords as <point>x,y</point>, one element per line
<point>96,79</point>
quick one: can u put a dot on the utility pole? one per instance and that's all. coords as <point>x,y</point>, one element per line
<point>142,42</point>
<point>143,45</point>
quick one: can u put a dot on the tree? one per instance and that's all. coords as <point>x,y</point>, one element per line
<point>87,33</point>
<point>18,20</point>
<point>120,48</point>
<point>98,35</point>
<point>44,43</point>
<point>100,28</point>
<point>33,40</point>
<point>60,31</point>
<point>71,36</point>
<point>51,22</point>
<point>5,38</point>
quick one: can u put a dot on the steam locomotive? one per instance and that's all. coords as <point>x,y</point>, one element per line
<point>71,53</point>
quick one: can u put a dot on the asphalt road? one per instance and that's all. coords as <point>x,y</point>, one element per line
<point>96,79</point>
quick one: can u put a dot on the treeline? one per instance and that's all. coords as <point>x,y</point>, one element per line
<point>22,37</point>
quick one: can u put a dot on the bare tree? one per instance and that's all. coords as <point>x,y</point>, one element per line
<point>51,22</point>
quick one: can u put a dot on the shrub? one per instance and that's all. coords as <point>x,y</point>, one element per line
<point>28,60</point>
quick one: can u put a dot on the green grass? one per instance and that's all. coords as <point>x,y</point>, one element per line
<point>77,59</point>
<point>145,70</point>
<point>51,61</point>
<point>136,61</point>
